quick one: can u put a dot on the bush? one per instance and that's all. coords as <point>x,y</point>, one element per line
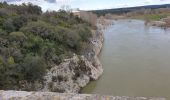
<point>40,28</point>
<point>8,25</point>
<point>19,21</point>
<point>1,61</point>
<point>17,55</point>
<point>33,44</point>
<point>18,36</point>
<point>2,32</point>
<point>71,39</point>
<point>34,67</point>
<point>10,60</point>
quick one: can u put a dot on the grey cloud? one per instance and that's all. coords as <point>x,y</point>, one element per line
<point>51,1</point>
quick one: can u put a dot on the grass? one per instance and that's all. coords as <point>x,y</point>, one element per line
<point>153,17</point>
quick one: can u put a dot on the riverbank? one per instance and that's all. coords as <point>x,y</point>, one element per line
<point>23,95</point>
<point>75,73</point>
<point>164,23</point>
<point>159,20</point>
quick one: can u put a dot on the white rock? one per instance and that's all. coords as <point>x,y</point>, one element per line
<point>76,72</point>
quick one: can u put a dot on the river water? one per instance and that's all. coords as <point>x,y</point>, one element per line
<point>136,61</point>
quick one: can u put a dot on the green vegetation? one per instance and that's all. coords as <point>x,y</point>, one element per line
<point>32,42</point>
<point>154,17</point>
<point>149,14</point>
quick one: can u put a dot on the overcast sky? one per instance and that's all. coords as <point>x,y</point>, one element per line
<point>88,4</point>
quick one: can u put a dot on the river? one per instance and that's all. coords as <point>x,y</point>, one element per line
<point>136,61</point>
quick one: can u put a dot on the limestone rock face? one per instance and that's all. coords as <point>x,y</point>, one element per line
<point>71,75</point>
<point>97,42</point>
<point>74,73</point>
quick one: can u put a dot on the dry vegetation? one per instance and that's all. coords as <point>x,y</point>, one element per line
<point>150,14</point>
<point>157,17</point>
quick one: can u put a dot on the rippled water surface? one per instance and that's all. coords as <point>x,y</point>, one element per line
<point>136,61</point>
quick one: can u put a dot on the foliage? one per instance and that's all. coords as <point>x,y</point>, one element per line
<point>120,11</point>
<point>154,17</point>
<point>10,60</point>
<point>34,67</point>
<point>32,41</point>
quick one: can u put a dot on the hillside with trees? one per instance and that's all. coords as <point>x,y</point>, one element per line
<point>32,42</point>
<point>156,15</point>
<point>121,11</point>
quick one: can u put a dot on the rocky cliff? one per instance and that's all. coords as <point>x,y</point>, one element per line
<point>76,72</point>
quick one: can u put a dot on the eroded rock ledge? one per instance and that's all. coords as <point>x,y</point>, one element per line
<point>23,95</point>
<point>76,72</point>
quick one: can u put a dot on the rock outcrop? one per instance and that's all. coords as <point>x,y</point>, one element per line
<point>76,72</point>
<point>23,95</point>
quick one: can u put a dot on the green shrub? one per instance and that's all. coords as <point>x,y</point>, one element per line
<point>1,62</point>
<point>2,32</point>
<point>40,28</point>
<point>19,21</point>
<point>8,25</point>
<point>10,60</point>
<point>35,68</point>
<point>20,36</point>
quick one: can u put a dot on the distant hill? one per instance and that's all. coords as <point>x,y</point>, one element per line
<point>129,9</point>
